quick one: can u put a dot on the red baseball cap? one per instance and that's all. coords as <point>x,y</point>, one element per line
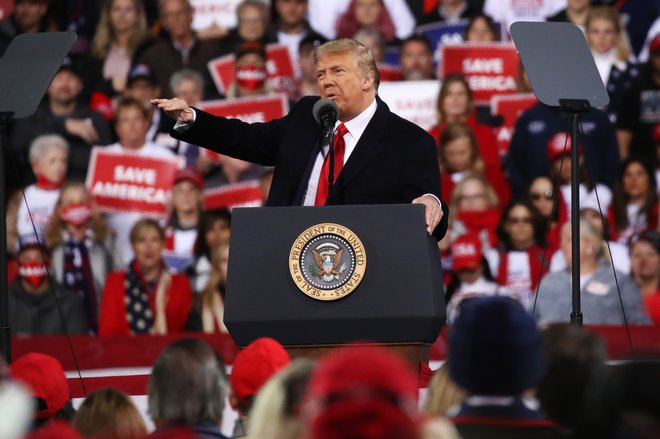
<point>556,145</point>
<point>190,174</point>
<point>255,364</point>
<point>466,252</point>
<point>45,378</point>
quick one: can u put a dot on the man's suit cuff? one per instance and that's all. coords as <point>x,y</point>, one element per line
<point>182,127</point>
<point>431,195</point>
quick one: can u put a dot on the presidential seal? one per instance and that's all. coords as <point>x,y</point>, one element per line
<point>327,261</point>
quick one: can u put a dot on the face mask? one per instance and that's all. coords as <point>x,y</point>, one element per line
<point>251,77</point>
<point>34,272</point>
<point>76,214</point>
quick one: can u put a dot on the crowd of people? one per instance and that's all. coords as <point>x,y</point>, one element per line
<point>508,213</point>
<point>78,269</point>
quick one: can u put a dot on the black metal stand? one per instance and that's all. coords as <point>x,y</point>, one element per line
<point>26,69</point>
<point>574,107</point>
<point>5,330</point>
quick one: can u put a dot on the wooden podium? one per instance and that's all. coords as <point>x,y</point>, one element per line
<point>391,295</point>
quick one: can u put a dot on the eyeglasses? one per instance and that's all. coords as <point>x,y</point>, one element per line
<point>537,196</point>
<point>519,220</point>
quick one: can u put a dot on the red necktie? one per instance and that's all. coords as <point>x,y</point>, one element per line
<point>339,146</point>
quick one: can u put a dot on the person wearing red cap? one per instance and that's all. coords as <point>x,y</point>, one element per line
<point>363,392</point>
<point>528,158</point>
<point>181,229</point>
<point>559,155</point>
<point>252,368</point>
<point>44,377</point>
<point>470,274</point>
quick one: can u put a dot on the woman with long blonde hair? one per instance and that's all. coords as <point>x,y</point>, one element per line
<point>208,310</point>
<point>121,32</point>
<point>609,45</point>
<point>82,247</point>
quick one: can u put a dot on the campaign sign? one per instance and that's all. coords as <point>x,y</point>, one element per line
<point>388,72</point>
<point>121,182</point>
<point>490,68</point>
<point>253,109</point>
<point>243,194</point>
<point>443,33</point>
<point>219,12</point>
<point>509,108</point>
<point>278,63</point>
<point>412,100</point>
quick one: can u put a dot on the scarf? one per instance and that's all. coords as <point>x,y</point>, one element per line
<point>78,276</point>
<point>534,256</point>
<point>142,319</point>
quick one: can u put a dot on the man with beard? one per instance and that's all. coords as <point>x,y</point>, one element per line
<point>62,113</point>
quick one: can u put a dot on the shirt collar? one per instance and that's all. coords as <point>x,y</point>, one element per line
<point>358,124</point>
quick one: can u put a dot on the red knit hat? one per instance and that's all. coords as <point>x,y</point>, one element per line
<point>45,378</point>
<point>255,364</point>
<point>362,391</point>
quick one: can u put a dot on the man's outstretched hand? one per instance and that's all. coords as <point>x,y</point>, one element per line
<point>176,108</point>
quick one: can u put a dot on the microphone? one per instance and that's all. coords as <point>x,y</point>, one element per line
<point>325,113</point>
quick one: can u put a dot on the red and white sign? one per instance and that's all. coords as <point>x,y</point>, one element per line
<point>509,107</point>
<point>121,182</point>
<point>243,194</point>
<point>255,109</point>
<point>412,100</point>
<point>490,68</point>
<point>278,63</point>
<point>6,7</point>
<point>389,72</point>
<point>214,12</point>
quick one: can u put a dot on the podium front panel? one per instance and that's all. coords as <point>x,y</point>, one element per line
<point>400,297</point>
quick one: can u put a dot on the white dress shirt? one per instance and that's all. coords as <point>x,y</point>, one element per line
<point>355,127</point>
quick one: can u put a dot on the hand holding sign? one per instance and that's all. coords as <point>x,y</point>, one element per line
<point>176,108</point>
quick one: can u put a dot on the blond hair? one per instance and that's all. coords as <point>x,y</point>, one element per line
<point>212,307</point>
<point>104,36</point>
<point>443,393</point>
<point>364,59</point>
<point>622,45</point>
<point>275,414</point>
